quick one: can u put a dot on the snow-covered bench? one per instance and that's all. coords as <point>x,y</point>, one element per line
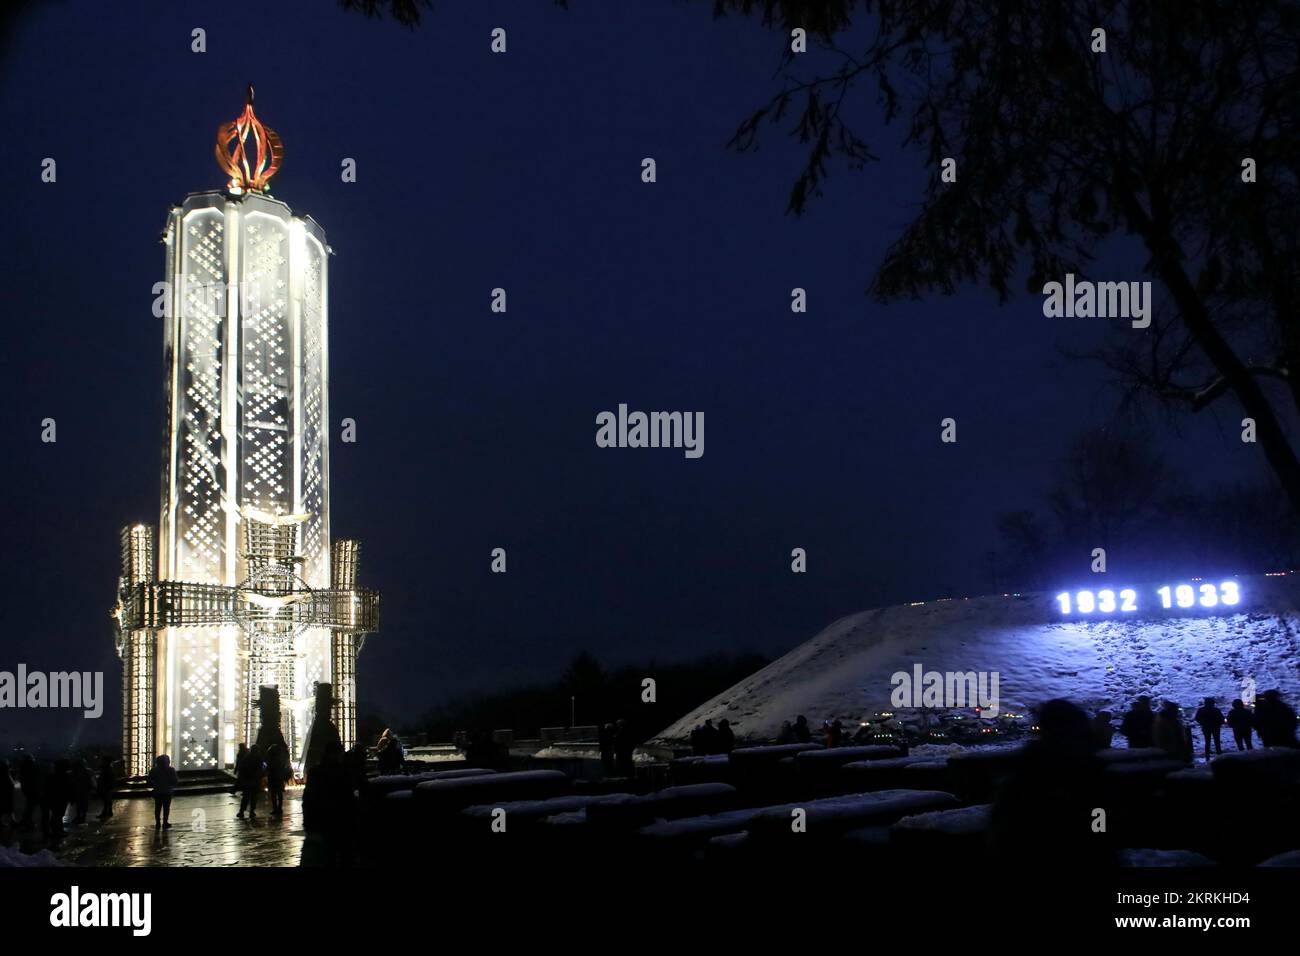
<point>865,775</point>
<point>695,831</point>
<point>453,795</point>
<point>769,754</point>
<point>976,774</point>
<point>830,759</point>
<point>1289,858</point>
<point>383,785</point>
<point>1124,754</point>
<point>928,775</point>
<point>1147,857</point>
<point>1264,765</point>
<point>528,814</point>
<point>715,768</point>
<point>964,830</point>
<point>833,816</point>
<point>630,812</point>
<point>1148,774</point>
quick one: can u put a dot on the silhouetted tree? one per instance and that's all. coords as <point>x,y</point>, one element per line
<point>1113,490</point>
<point>1059,148</point>
<point>405,12</point>
<point>1112,479</point>
<point>681,687</point>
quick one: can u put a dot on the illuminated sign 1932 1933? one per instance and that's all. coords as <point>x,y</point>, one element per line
<point>1167,597</point>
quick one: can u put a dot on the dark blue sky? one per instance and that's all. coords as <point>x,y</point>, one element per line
<point>476,430</point>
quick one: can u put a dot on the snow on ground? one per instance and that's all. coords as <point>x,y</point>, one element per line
<point>845,670</point>
<point>12,856</point>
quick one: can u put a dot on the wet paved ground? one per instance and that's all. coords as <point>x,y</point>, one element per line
<point>204,832</point>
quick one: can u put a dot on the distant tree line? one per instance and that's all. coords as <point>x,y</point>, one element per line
<point>593,693</point>
<point>1115,491</point>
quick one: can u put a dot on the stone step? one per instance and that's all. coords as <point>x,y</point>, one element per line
<point>192,783</point>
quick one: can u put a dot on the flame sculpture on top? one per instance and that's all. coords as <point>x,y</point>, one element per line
<point>233,154</point>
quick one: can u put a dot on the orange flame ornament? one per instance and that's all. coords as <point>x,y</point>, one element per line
<point>249,165</point>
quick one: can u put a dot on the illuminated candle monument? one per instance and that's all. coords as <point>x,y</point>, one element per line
<point>245,590</point>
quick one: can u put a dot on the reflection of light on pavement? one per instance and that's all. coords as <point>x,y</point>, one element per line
<point>129,839</point>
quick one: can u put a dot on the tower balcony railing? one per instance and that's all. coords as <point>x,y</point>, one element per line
<point>158,604</point>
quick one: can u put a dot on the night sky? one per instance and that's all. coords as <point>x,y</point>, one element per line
<point>476,430</point>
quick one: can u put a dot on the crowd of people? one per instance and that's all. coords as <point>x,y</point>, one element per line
<point>707,739</point>
<point>1142,726</point>
<point>1045,811</point>
<point>257,770</point>
<point>1272,720</point>
<point>334,779</point>
<point>50,791</point>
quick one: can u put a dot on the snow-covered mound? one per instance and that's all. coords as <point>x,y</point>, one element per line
<point>845,671</point>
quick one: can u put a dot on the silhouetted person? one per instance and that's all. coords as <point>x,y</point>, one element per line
<point>1138,725</point>
<point>164,780</point>
<point>708,738</point>
<point>1169,733</point>
<point>1275,720</point>
<point>480,749</point>
<point>278,772</point>
<point>389,754</point>
<point>624,746</point>
<point>250,782</point>
<point>607,747</point>
<point>104,784</point>
<point>322,735</point>
<point>30,779</point>
<point>272,754</point>
<point>6,795</point>
<point>786,736</point>
<point>1241,720</point>
<point>240,756</point>
<point>58,794</point>
<point>726,737</point>
<point>1210,719</point>
<point>83,784</point>
<point>354,767</point>
<point>269,733</point>
<point>1043,814</point>
<point>1101,730</point>
<point>833,731</point>
<point>328,811</point>
<point>802,732</point>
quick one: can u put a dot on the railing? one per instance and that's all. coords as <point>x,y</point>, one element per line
<point>159,604</point>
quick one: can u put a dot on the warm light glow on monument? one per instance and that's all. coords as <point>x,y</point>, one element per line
<point>233,149</point>
<point>244,591</point>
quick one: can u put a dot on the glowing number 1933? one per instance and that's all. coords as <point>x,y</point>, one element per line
<point>1185,596</point>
